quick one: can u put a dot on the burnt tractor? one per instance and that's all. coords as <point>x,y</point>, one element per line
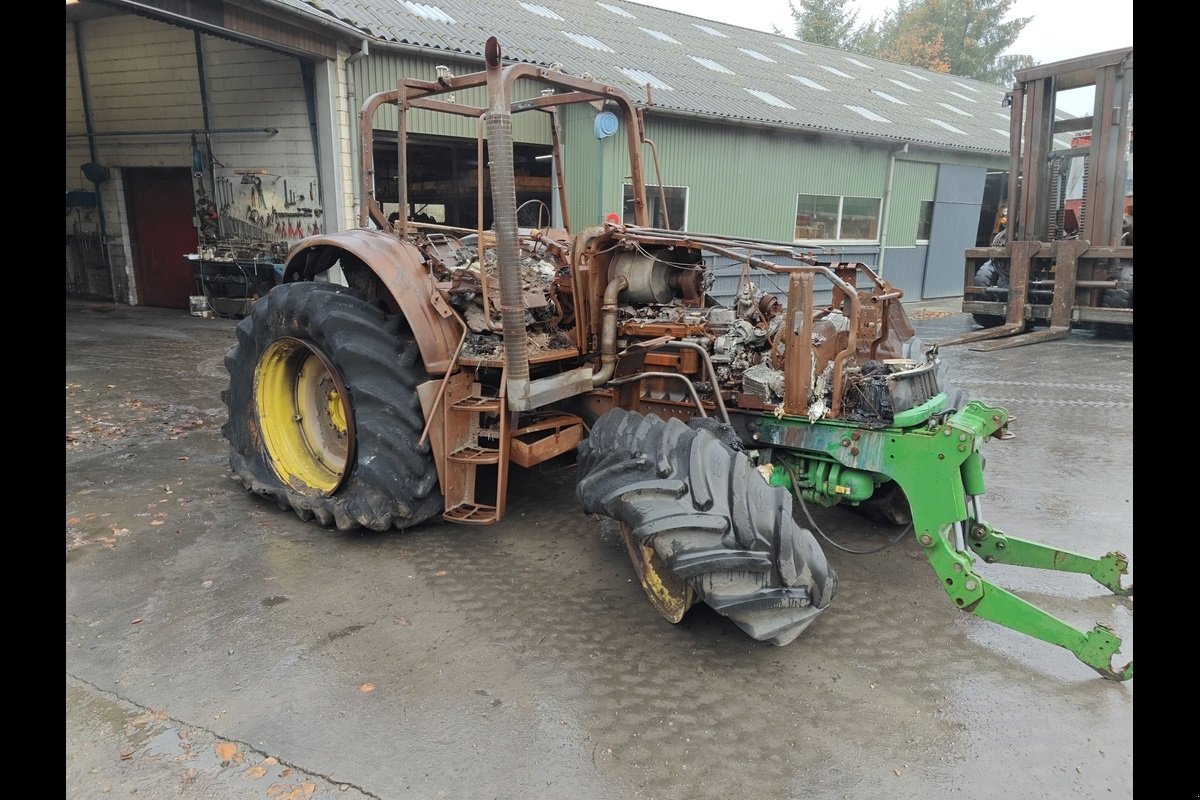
<point>452,354</point>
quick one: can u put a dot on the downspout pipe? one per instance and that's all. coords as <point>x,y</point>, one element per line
<point>354,135</point>
<point>498,122</point>
<point>887,207</point>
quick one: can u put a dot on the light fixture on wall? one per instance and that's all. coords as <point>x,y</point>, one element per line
<point>95,173</point>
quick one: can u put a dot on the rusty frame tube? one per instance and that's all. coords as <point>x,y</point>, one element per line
<point>415,93</point>
<point>691,387</point>
<point>718,401</point>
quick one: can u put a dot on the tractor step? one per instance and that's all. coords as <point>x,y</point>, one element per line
<point>476,455</point>
<point>471,514</point>
<point>478,403</point>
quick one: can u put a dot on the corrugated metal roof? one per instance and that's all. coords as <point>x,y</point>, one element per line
<point>713,68</point>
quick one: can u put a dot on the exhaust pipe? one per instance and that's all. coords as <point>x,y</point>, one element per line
<point>498,122</point>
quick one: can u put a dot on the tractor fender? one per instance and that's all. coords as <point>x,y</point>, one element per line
<point>400,266</point>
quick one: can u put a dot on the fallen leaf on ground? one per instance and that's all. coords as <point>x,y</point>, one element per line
<point>367,687</point>
<point>73,521</point>
<point>440,573</point>
<point>225,750</point>
<point>118,531</point>
<point>207,584</point>
<point>189,775</point>
<point>126,755</point>
<point>270,760</point>
<point>136,621</point>
<point>286,791</point>
<point>286,772</point>
<point>254,773</point>
<point>182,458</point>
<point>897,771</point>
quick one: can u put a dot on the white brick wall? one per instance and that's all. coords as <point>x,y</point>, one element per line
<point>254,88</point>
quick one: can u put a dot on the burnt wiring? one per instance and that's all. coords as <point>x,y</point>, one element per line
<point>794,477</point>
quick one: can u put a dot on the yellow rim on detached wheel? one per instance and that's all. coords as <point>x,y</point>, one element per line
<point>304,415</point>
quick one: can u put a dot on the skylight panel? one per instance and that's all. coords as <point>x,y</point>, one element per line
<point>888,97</point>
<point>767,97</point>
<point>856,62</point>
<point>714,66</point>
<point>955,110</point>
<point>810,84</point>
<point>588,41</point>
<point>791,49</point>
<point>758,55</point>
<point>904,85</point>
<point>428,12</point>
<point>968,88</point>
<point>662,37</point>
<point>946,125</point>
<point>868,113</point>
<point>541,11</point>
<point>836,71</point>
<point>641,78</point>
<point>915,75</point>
<point>962,96</point>
<point>710,31</point>
<point>620,12</point>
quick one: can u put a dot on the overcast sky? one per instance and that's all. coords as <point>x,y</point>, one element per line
<point>1057,31</point>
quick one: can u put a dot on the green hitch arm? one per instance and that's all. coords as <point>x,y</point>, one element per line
<point>996,547</point>
<point>977,596</point>
<point>1095,648</point>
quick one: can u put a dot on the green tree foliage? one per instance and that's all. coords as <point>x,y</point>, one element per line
<point>962,37</point>
<point>826,22</point>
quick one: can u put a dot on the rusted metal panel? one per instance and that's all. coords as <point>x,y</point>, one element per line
<point>400,266</point>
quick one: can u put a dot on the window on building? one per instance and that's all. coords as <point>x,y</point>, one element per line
<point>676,208</point>
<point>833,218</point>
<point>925,221</point>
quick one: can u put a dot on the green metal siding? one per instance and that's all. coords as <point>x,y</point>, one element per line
<point>379,73</point>
<point>911,183</point>
<point>741,180</point>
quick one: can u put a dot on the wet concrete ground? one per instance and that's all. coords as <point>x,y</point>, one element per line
<point>217,647</point>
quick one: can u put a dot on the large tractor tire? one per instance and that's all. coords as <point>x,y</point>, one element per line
<point>1120,296</point>
<point>323,413</point>
<point>702,524</point>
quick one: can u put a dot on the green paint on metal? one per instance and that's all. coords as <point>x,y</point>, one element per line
<point>937,464</point>
<point>918,414</point>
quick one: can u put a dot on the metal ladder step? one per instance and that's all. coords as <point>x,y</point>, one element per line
<point>471,514</point>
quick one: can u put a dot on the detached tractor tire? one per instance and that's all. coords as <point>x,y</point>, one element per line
<point>1120,296</point>
<point>702,524</point>
<point>323,414</point>
<point>987,276</point>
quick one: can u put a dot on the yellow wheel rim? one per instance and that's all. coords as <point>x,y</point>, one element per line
<point>304,416</point>
<point>670,596</point>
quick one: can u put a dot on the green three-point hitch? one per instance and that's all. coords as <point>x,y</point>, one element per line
<point>935,459</point>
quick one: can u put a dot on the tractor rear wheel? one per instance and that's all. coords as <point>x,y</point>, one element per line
<point>700,519</point>
<point>323,413</point>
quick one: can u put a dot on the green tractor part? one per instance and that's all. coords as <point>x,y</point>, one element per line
<point>938,466</point>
